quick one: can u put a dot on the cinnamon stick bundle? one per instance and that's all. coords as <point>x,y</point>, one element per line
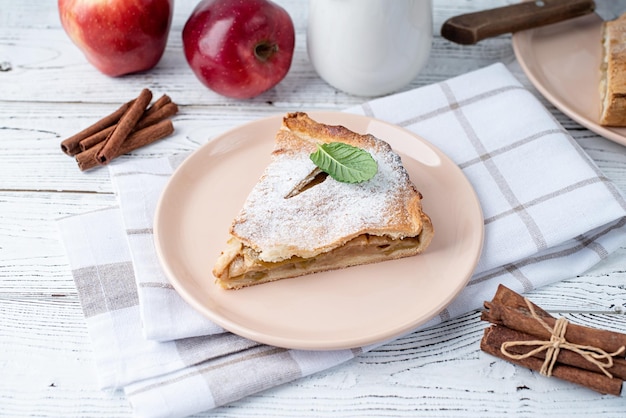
<point>149,117</point>
<point>87,159</point>
<point>70,145</point>
<point>511,310</point>
<point>131,126</point>
<point>492,340</point>
<point>526,335</point>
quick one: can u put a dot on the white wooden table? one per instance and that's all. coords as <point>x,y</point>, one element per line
<point>49,91</point>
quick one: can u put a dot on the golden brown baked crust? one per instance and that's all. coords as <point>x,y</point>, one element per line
<point>613,82</point>
<point>297,222</point>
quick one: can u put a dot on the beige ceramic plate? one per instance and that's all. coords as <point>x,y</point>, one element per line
<point>563,62</point>
<point>333,310</point>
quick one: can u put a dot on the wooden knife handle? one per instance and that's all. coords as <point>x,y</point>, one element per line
<point>470,28</point>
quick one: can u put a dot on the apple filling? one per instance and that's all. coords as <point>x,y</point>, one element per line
<point>245,268</point>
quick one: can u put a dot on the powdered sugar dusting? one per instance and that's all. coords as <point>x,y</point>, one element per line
<point>323,216</point>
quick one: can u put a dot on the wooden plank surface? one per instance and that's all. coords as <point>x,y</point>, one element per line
<point>46,365</point>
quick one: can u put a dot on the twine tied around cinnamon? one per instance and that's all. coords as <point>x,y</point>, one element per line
<point>557,342</point>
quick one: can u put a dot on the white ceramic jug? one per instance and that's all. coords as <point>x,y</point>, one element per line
<point>369,47</point>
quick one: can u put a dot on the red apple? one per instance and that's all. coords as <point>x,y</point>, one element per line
<point>118,36</point>
<point>239,49</point>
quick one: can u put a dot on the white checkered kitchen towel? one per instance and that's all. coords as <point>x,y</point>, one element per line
<point>550,214</point>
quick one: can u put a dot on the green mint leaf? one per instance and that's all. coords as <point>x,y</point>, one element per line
<point>345,163</point>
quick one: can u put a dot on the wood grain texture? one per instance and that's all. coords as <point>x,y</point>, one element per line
<point>50,92</point>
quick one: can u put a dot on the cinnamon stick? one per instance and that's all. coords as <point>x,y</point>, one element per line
<point>112,144</point>
<point>71,147</point>
<point>87,159</point>
<point>507,297</point>
<point>516,315</point>
<point>161,101</point>
<point>595,381</point>
<point>497,335</point>
<point>151,116</point>
<point>163,112</point>
<point>96,138</point>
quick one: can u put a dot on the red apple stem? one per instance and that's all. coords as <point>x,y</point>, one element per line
<point>264,50</point>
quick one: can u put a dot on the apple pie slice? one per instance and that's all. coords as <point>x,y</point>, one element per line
<point>298,220</point>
